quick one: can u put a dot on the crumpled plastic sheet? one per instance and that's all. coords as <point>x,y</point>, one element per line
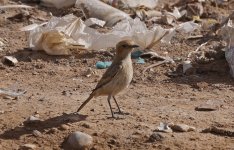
<point>228,35</point>
<point>60,33</point>
<point>98,9</point>
<point>136,3</point>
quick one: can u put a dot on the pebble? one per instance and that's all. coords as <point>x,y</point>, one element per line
<point>182,128</point>
<point>28,147</point>
<point>80,140</point>
<point>207,107</point>
<point>86,125</point>
<point>52,131</point>
<point>32,119</point>
<point>37,133</point>
<point>10,60</point>
<point>155,137</point>
<point>2,111</point>
<point>89,72</point>
<point>64,127</point>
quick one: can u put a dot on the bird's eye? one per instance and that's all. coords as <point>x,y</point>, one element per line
<point>124,46</point>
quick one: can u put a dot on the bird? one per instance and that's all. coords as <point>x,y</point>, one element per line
<point>117,77</point>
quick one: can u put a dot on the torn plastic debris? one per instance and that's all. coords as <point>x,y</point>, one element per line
<point>136,3</point>
<point>100,10</point>
<point>58,3</point>
<point>228,35</point>
<point>94,21</point>
<point>103,65</point>
<point>170,17</point>
<point>57,36</point>
<point>61,34</point>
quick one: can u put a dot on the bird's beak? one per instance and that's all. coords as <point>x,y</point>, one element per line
<point>133,46</point>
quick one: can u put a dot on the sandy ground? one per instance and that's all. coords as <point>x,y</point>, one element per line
<point>56,86</point>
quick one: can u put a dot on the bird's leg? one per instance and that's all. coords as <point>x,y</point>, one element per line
<point>117,104</point>
<point>108,99</point>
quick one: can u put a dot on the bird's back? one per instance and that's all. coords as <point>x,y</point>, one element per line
<point>117,77</point>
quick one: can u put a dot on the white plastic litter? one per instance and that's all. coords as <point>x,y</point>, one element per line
<point>136,3</point>
<point>102,11</point>
<point>188,27</point>
<point>61,34</point>
<point>94,21</point>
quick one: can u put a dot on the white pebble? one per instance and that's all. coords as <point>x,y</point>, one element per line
<point>79,140</point>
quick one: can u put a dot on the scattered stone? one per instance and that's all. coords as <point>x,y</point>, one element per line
<point>2,111</point>
<point>10,60</point>
<point>32,119</point>
<point>201,85</point>
<point>52,131</point>
<point>37,133</point>
<point>95,134</point>
<point>182,128</point>
<point>89,72</point>
<point>207,107</point>
<point>28,147</point>
<point>86,125</point>
<point>164,127</point>
<point>79,140</point>
<point>219,131</point>
<point>155,137</point>
<point>64,127</point>
<point>113,142</point>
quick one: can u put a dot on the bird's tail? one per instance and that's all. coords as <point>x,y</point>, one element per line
<point>85,102</point>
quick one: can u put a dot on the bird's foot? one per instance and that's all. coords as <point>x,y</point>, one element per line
<point>121,112</point>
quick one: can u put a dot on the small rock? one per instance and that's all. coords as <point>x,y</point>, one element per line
<point>52,131</point>
<point>207,107</point>
<point>164,127</point>
<point>112,142</point>
<point>89,72</point>
<point>10,60</point>
<point>219,131</point>
<point>155,137</point>
<point>95,134</point>
<point>182,128</point>
<point>64,127</point>
<point>86,125</point>
<point>32,119</point>
<point>2,111</point>
<point>79,140</point>
<point>28,147</point>
<point>37,133</point>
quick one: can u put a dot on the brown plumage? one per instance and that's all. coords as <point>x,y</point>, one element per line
<point>117,77</point>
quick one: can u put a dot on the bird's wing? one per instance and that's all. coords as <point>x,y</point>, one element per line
<point>110,73</point>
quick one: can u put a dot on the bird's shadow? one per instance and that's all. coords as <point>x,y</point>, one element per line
<point>42,126</point>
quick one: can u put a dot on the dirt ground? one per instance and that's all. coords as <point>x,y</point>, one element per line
<point>56,86</point>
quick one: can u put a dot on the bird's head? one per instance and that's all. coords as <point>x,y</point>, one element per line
<point>124,48</point>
